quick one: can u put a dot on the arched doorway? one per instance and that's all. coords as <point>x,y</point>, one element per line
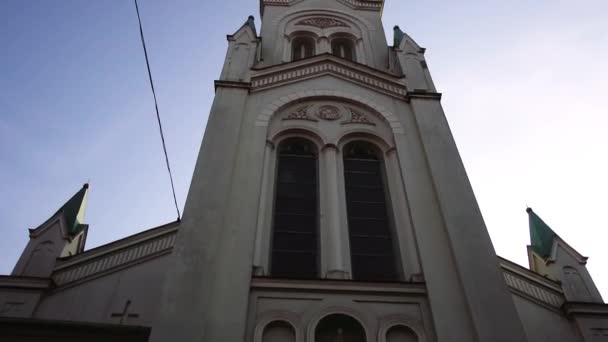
<point>339,328</point>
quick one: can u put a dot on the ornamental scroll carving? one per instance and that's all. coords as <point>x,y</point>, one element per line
<point>358,118</point>
<point>300,113</point>
<point>322,22</point>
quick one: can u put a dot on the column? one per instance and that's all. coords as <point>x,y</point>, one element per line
<point>263,229</point>
<point>336,242</point>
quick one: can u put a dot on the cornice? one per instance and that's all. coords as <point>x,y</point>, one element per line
<point>117,245</point>
<point>273,76</point>
<point>24,283</point>
<point>115,256</point>
<point>423,94</point>
<point>372,5</point>
<point>585,309</point>
<point>527,284</point>
<point>263,283</point>
<point>529,275</point>
<point>231,84</point>
<point>114,261</point>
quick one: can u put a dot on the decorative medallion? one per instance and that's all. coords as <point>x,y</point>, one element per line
<point>322,22</point>
<point>357,117</point>
<point>299,114</point>
<point>328,112</point>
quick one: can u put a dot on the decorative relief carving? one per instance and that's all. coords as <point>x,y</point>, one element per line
<point>328,112</point>
<point>322,22</point>
<point>300,113</point>
<point>120,258</point>
<point>533,290</point>
<point>358,118</point>
<point>363,4</point>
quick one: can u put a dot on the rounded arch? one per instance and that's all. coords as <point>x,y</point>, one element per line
<point>401,333</point>
<point>389,322</point>
<point>302,44</point>
<point>339,326</point>
<point>357,27</point>
<point>379,142</point>
<point>264,117</point>
<point>357,315</point>
<point>296,132</point>
<point>285,317</point>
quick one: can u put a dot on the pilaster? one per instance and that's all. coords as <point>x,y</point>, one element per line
<point>474,258</point>
<point>206,288</point>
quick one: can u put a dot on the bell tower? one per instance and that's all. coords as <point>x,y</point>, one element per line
<point>329,201</point>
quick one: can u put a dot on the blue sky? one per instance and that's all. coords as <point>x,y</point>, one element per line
<point>524,90</point>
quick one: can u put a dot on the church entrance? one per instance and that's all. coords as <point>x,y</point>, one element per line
<point>339,328</point>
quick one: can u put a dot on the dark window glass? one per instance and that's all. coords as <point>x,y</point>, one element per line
<point>371,245</point>
<point>302,47</point>
<point>343,47</point>
<point>294,238</point>
<point>339,328</point>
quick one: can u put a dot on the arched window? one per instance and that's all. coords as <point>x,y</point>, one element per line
<point>371,243</point>
<point>334,328</point>
<point>401,333</point>
<point>302,47</point>
<point>295,226</point>
<point>343,47</point>
<point>279,331</point>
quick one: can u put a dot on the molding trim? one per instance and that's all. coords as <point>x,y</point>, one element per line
<point>107,262</point>
<point>532,290</point>
<point>423,94</point>
<point>264,283</point>
<point>327,64</point>
<point>585,309</point>
<point>374,5</point>
<point>231,84</point>
<point>264,117</point>
<point>24,283</point>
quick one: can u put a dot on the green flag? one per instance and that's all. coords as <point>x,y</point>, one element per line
<point>541,236</point>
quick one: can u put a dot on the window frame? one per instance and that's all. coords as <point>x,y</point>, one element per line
<point>302,38</point>
<point>317,232</point>
<point>398,271</point>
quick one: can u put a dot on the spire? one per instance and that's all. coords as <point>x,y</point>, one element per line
<point>251,22</point>
<point>397,36</point>
<point>541,235</point>
<point>73,211</point>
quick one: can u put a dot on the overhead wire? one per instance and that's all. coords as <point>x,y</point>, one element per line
<point>160,126</point>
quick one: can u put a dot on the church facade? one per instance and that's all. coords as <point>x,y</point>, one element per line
<point>328,203</point>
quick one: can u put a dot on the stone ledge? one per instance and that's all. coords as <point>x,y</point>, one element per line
<point>585,309</point>
<point>232,84</point>
<point>267,283</point>
<point>20,282</point>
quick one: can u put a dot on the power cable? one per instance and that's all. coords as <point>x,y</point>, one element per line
<point>160,126</point>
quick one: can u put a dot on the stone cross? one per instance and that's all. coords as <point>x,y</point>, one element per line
<point>125,313</point>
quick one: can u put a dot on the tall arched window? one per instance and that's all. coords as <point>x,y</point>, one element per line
<point>371,243</point>
<point>302,47</point>
<point>339,327</point>
<point>343,47</point>
<point>295,226</point>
